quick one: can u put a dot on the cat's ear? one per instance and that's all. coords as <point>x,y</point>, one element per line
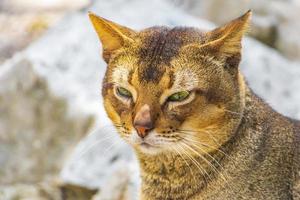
<point>227,40</point>
<point>112,35</point>
<point>225,43</point>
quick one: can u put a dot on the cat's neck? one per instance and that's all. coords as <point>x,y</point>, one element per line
<point>175,176</point>
<point>170,174</point>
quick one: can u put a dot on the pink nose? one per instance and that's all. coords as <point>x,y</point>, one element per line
<point>142,130</point>
<point>142,121</point>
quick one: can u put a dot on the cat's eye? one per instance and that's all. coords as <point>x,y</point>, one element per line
<point>179,96</point>
<point>124,92</point>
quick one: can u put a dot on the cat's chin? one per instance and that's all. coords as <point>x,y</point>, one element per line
<point>148,149</point>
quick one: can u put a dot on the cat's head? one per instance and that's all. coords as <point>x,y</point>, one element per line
<point>168,88</point>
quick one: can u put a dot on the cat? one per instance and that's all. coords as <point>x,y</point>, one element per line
<point>177,96</point>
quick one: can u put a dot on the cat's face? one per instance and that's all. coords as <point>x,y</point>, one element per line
<point>166,89</point>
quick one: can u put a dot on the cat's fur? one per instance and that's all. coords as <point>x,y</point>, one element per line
<point>223,142</point>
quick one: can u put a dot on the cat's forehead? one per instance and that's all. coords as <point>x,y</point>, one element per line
<point>155,59</point>
<point>159,46</point>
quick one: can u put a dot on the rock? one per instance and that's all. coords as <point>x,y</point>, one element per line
<point>22,192</point>
<point>36,133</point>
<point>14,36</point>
<point>45,191</point>
<point>42,5</point>
<point>121,184</point>
<point>35,17</point>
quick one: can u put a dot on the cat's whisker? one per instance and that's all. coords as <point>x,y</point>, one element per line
<point>233,161</point>
<point>203,144</point>
<point>201,170</point>
<point>210,164</point>
<point>196,163</point>
<point>213,138</point>
<point>215,160</point>
<point>208,146</point>
<point>224,177</point>
<point>201,156</point>
<point>194,138</point>
<point>178,152</point>
<point>194,143</point>
<point>233,112</point>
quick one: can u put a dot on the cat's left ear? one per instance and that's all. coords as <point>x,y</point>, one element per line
<point>112,35</point>
<point>228,38</point>
<point>225,43</point>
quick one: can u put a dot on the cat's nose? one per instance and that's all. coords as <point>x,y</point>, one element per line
<point>142,121</point>
<point>142,131</point>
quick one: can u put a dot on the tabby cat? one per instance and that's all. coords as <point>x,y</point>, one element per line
<point>178,97</point>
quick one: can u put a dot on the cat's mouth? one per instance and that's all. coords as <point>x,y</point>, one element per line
<point>149,144</point>
<point>147,147</point>
<point>145,144</point>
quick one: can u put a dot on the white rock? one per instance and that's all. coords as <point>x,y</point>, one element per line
<point>36,134</point>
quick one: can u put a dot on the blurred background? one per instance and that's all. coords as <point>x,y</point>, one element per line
<point>55,139</point>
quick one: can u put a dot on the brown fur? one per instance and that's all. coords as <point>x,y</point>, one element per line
<point>222,142</point>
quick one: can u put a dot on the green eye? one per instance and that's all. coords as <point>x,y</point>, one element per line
<point>179,96</point>
<point>124,92</point>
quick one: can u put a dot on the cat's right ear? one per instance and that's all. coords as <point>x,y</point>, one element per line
<point>112,35</point>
